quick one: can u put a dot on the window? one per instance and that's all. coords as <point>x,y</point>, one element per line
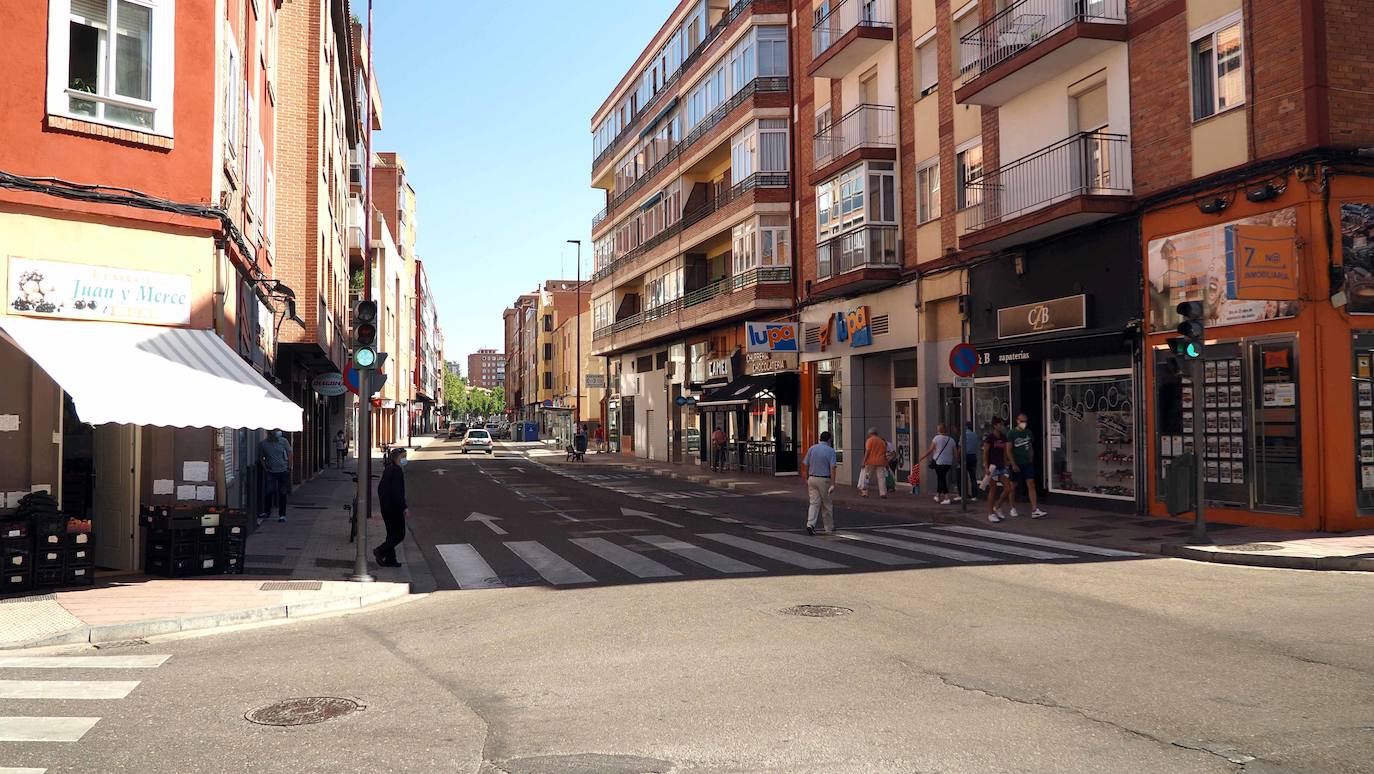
<point>1217,57</point>
<point>743,247</point>
<point>548,351</point>
<point>965,22</point>
<point>823,120</point>
<point>840,202</point>
<point>254,161</point>
<point>928,64</point>
<point>233,88</point>
<point>928,191</point>
<point>968,167</point>
<point>122,78</point>
<point>773,245</point>
<point>270,229</point>
<point>548,380</point>
<point>548,322</point>
<point>772,52</point>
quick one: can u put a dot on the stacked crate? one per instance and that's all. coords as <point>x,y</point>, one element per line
<point>39,547</point>
<point>16,553</point>
<point>187,540</point>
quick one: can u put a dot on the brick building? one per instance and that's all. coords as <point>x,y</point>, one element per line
<point>487,369</point>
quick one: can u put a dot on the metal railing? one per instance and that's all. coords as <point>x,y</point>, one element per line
<point>755,276</point>
<point>1025,23</point>
<point>599,217</point>
<point>1083,164</point>
<point>866,126</point>
<point>694,216</point>
<point>873,246</point>
<point>627,131</point>
<point>845,16</point>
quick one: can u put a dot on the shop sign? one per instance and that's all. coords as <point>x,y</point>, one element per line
<point>773,337</point>
<point>388,403</point>
<point>596,381</point>
<point>83,292</point>
<point>329,385</point>
<point>852,326</point>
<point>758,363</point>
<point>717,369</point>
<point>1060,314</point>
<point>1261,263</point>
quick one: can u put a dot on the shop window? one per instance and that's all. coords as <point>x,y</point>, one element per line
<point>904,372</point>
<point>1092,435</point>
<point>1363,372</point>
<point>830,404</point>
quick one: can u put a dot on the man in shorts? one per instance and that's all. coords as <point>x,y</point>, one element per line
<point>995,455</point>
<point>1023,465</point>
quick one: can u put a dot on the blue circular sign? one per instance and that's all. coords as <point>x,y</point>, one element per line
<point>963,360</point>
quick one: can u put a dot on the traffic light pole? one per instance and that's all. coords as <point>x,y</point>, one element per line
<point>364,498</point>
<point>1200,466</point>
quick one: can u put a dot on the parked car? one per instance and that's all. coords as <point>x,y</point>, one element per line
<point>478,440</point>
<point>457,430</point>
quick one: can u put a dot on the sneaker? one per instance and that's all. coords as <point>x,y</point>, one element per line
<point>937,498</point>
<point>1037,513</point>
<point>261,518</point>
<point>957,499</point>
<point>945,501</point>
<point>281,519</point>
<point>994,517</point>
<point>810,530</point>
<point>1014,513</point>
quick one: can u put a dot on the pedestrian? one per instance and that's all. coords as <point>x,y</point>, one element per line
<point>340,446</point>
<point>391,497</point>
<point>999,482</point>
<point>274,454</point>
<point>970,445</point>
<point>718,449</point>
<point>941,454</point>
<point>1023,465</point>
<point>580,440</point>
<point>875,464</point>
<point>819,464</point>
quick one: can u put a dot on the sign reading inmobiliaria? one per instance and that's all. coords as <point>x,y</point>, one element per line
<point>83,292</point>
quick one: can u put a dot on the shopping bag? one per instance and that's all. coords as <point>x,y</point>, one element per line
<point>891,481</point>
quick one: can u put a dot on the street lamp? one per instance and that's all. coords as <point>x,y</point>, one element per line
<point>577,402</point>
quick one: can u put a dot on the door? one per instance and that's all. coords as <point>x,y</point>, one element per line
<point>649,434</point>
<point>115,503</point>
<point>868,95</point>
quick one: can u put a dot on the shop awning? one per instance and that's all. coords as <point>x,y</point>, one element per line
<point>739,392</point>
<point>118,373</point>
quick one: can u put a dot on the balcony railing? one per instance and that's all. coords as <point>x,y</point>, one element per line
<point>355,223</point>
<point>870,247</point>
<point>627,131</point>
<point>845,16</point>
<point>761,275</point>
<point>866,126</point>
<point>1088,163</point>
<point>694,216</point>
<point>1026,23</point>
<point>599,217</point>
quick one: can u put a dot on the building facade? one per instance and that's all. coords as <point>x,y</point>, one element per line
<point>487,369</point>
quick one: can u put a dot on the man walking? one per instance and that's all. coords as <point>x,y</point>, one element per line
<point>1023,465</point>
<point>875,464</point>
<point>995,455</point>
<point>970,445</point>
<point>340,446</point>
<point>718,449</point>
<point>819,464</point>
<point>274,454</point>
<point>391,497</point>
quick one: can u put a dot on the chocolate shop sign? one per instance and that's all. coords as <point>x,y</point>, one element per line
<point>1060,314</point>
<point>83,292</point>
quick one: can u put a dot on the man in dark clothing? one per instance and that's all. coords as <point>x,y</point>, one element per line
<point>391,496</point>
<point>274,453</point>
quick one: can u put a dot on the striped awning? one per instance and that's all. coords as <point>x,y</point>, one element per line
<point>117,373</point>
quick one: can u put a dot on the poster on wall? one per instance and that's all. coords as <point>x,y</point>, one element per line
<point>84,292</point>
<point>1226,266</point>
<point>1357,255</point>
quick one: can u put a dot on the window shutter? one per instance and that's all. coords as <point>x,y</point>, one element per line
<point>930,67</point>
<point>1092,108</point>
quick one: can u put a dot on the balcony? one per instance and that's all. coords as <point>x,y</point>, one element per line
<point>1032,41</point>
<point>853,31</point>
<point>860,259</point>
<point>1074,182</point>
<point>355,225</point>
<point>761,288</point>
<point>866,132</point>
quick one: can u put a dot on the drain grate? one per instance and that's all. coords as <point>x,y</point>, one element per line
<point>291,586</point>
<point>119,644</point>
<point>816,611</point>
<point>1252,547</point>
<point>302,712</point>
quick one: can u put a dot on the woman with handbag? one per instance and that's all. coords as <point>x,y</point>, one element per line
<point>942,452</point>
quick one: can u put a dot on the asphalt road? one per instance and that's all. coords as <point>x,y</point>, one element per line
<point>593,621</point>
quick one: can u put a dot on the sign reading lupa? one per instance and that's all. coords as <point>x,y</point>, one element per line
<point>774,337</point>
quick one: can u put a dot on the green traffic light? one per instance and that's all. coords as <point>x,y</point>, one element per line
<point>1192,351</point>
<point>364,358</point>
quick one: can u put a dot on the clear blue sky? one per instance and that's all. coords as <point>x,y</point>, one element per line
<point>492,114</point>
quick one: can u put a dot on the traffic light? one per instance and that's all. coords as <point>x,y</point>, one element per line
<point>364,343</point>
<point>1190,330</point>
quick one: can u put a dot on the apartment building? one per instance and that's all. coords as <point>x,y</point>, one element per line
<point>693,151</point>
<point>518,322</point>
<point>317,126</point>
<point>487,369</point>
<point>558,302</point>
<point>394,199</point>
<point>139,245</point>
<point>429,362</point>
<point>574,364</point>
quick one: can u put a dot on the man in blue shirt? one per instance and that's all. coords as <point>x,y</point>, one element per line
<point>274,452</point>
<point>819,464</point>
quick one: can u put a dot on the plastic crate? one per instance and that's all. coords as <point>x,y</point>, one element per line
<point>78,576</point>
<point>78,539</point>
<point>16,554</point>
<point>170,549</point>
<point>233,564</point>
<point>208,534</point>
<point>11,582</point>
<point>46,557</point>
<point>79,556</point>
<point>209,564</point>
<point>49,576</point>
<point>14,528</point>
<point>168,567</point>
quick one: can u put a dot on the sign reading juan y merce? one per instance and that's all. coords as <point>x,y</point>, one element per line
<point>82,292</point>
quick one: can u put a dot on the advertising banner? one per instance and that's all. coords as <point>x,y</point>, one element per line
<point>774,337</point>
<point>1357,255</point>
<point>83,292</point>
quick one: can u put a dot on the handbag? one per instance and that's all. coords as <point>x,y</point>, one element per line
<point>937,454</point>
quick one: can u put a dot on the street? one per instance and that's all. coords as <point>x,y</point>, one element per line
<point>591,620</point>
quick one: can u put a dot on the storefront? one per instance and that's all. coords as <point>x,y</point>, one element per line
<point>1289,311</point>
<point>758,412</point>
<point>1056,338</point>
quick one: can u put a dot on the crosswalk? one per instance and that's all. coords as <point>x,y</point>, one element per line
<point>638,486</point>
<point>20,681</point>
<point>619,556</point>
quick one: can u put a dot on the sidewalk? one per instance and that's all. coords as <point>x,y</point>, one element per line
<point>1233,544</point>
<point>290,570</point>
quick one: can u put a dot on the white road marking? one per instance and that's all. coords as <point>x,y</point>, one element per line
<point>701,513</point>
<point>651,517</point>
<point>776,492</point>
<point>468,567</point>
<point>784,555</point>
<point>982,545</point>
<point>554,568</point>
<point>701,556</point>
<point>841,547</point>
<point>82,662</point>
<point>45,729</point>
<point>7,770</point>
<point>727,519</point>
<point>487,520</point>
<point>922,548</point>
<point>641,566</point>
<point>66,689</point>
<point>1038,541</point>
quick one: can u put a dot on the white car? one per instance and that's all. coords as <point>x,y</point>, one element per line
<point>477,440</point>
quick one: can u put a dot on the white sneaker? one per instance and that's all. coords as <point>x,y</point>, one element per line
<point>945,501</point>
<point>937,498</point>
<point>957,499</point>
<point>994,517</point>
<point>1014,513</point>
<point>1037,513</point>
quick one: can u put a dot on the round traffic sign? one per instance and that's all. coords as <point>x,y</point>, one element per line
<point>963,360</point>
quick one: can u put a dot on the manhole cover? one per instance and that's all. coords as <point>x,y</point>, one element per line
<point>292,585</point>
<point>1252,547</point>
<point>816,611</point>
<point>302,712</point>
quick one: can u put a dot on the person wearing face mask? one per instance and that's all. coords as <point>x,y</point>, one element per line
<point>391,497</point>
<point>274,453</point>
<point>1023,465</point>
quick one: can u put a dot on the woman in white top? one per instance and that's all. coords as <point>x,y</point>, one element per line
<point>942,450</point>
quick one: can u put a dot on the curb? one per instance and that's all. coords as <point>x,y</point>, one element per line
<point>1339,563</point>
<point>139,629</point>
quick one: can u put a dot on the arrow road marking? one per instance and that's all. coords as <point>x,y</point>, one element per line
<point>632,512</point>
<point>487,520</point>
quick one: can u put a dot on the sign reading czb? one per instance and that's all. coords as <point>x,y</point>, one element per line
<point>1059,314</point>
